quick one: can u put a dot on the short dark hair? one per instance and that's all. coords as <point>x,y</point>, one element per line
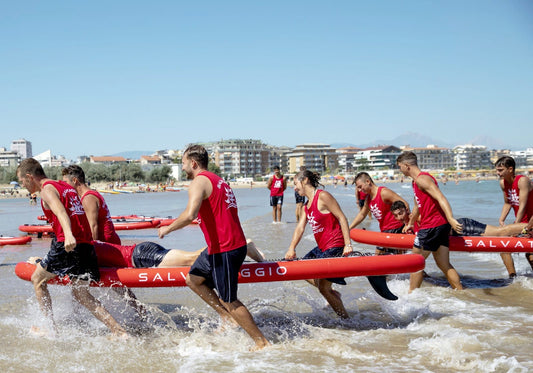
<point>363,175</point>
<point>505,161</point>
<point>74,171</point>
<point>31,166</point>
<point>198,154</point>
<point>407,157</point>
<point>396,205</point>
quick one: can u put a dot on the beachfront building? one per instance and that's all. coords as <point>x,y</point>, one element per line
<point>22,147</point>
<point>46,159</point>
<point>471,157</point>
<point>432,157</point>
<point>314,157</point>
<point>9,158</point>
<point>245,158</point>
<point>523,158</point>
<point>346,158</point>
<point>278,156</point>
<point>382,157</point>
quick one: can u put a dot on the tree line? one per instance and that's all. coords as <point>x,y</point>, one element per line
<point>94,173</point>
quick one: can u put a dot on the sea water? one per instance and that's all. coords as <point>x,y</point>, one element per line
<point>486,328</point>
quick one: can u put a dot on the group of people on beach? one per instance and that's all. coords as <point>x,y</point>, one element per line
<point>84,237</point>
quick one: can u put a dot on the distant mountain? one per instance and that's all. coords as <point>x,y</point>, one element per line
<point>133,154</point>
<point>408,138</point>
<point>416,140</point>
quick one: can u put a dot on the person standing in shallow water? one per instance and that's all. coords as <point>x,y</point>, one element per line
<point>436,218</point>
<point>212,201</point>
<point>277,185</point>
<point>330,228</point>
<point>518,196</point>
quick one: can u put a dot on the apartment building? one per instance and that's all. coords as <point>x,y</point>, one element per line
<point>432,157</point>
<point>315,157</point>
<point>241,157</point>
<point>22,147</point>
<point>471,157</point>
<point>381,157</point>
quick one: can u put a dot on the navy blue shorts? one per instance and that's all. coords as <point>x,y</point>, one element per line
<point>299,198</point>
<point>221,271</point>
<point>148,254</point>
<point>276,200</point>
<point>334,252</point>
<point>80,263</point>
<point>387,250</point>
<point>471,227</point>
<point>361,202</point>
<point>430,239</point>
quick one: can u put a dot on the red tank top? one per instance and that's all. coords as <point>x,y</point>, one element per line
<point>113,255</point>
<point>431,214</point>
<point>219,219</point>
<point>513,197</point>
<point>382,213</point>
<point>276,188</point>
<point>106,229</point>
<point>326,227</point>
<point>78,220</point>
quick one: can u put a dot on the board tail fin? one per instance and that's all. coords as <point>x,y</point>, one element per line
<point>379,284</point>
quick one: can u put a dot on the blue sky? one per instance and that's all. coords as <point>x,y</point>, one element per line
<point>102,77</point>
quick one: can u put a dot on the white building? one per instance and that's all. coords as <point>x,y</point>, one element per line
<point>471,157</point>
<point>22,147</point>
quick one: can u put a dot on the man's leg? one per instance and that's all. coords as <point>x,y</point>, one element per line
<point>415,279</point>
<point>80,291</point>
<point>39,280</point>
<point>243,317</point>
<point>332,297</point>
<point>197,284</point>
<point>508,262</point>
<point>442,258</point>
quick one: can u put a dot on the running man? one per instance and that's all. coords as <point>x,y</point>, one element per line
<point>212,201</point>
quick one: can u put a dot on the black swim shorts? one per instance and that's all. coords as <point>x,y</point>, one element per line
<point>276,200</point>
<point>430,239</point>
<point>221,271</point>
<point>79,264</point>
<point>148,254</point>
<point>471,227</point>
<point>387,250</point>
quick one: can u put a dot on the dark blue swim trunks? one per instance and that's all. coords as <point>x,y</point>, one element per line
<point>221,271</point>
<point>430,239</point>
<point>80,263</point>
<point>276,200</point>
<point>148,254</point>
<point>471,227</point>
<point>299,198</point>
<point>334,252</point>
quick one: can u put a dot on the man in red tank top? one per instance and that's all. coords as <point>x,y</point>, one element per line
<point>71,252</point>
<point>517,195</point>
<point>212,201</point>
<point>277,185</point>
<point>436,218</point>
<point>378,203</point>
<point>96,209</point>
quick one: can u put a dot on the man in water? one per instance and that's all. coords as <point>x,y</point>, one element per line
<point>378,202</point>
<point>436,219</point>
<point>517,195</point>
<point>471,227</point>
<point>212,201</point>
<point>71,252</point>
<point>277,185</point>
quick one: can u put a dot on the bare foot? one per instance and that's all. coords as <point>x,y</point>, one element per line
<point>253,252</point>
<point>259,345</point>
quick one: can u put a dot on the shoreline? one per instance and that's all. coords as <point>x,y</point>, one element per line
<point>8,191</point>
